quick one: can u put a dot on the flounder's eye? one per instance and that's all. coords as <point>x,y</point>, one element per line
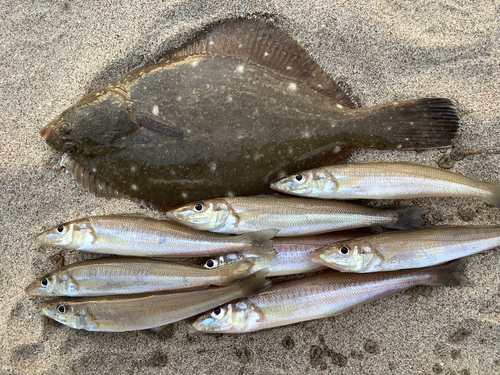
<point>65,128</point>
<point>45,282</point>
<point>60,228</point>
<point>216,313</point>
<point>70,148</point>
<point>344,250</point>
<point>299,178</point>
<point>61,309</point>
<point>198,207</point>
<point>211,263</point>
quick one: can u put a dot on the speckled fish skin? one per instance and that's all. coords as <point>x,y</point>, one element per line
<point>324,295</point>
<point>114,276</point>
<point>291,216</point>
<point>293,254</point>
<point>238,107</point>
<point>385,181</point>
<point>403,250</point>
<point>138,235</point>
<point>119,313</point>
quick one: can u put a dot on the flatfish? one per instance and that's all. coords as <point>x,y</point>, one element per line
<point>237,107</point>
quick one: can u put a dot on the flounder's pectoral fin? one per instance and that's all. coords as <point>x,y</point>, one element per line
<point>261,42</point>
<point>156,124</point>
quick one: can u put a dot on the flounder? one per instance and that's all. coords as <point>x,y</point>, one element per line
<point>241,105</point>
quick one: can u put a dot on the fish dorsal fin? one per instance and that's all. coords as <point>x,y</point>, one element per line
<point>87,180</point>
<point>264,44</point>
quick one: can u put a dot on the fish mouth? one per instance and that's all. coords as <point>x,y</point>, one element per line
<point>45,132</point>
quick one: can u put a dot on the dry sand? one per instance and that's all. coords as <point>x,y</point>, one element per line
<point>54,52</point>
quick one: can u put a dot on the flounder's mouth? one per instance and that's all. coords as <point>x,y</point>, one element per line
<point>46,130</point>
<point>87,180</point>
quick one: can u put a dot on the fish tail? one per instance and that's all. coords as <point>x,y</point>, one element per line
<point>254,283</point>
<point>413,124</point>
<point>408,218</point>
<point>235,271</point>
<point>494,198</point>
<point>449,274</point>
<point>259,242</point>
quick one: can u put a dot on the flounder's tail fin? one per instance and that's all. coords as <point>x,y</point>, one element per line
<point>412,124</point>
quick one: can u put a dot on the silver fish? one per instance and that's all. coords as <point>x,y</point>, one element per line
<point>118,314</point>
<point>293,254</point>
<point>138,235</point>
<point>292,216</point>
<point>112,276</point>
<point>327,294</point>
<point>385,181</point>
<point>411,249</point>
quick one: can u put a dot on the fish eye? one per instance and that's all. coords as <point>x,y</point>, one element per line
<point>60,228</point>
<point>65,128</point>
<point>61,309</point>
<point>198,207</point>
<point>70,148</point>
<point>45,282</point>
<point>299,178</point>
<point>344,250</point>
<point>210,263</point>
<point>216,312</point>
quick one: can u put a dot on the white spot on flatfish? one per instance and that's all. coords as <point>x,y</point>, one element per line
<point>292,86</point>
<point>257,156</point>
<point>240,69</point>
<point>337,149</point>
<point>184,195</point>
<point>156,110</point>
<point>266,54</point>
<point>230,194</point>
<point>229,98</point>
<point>133,168</point>
<point>288,68</point>
<point>211,42</point>
<point>179,98</point>
<point>134,187</point>
<point>240,46</point>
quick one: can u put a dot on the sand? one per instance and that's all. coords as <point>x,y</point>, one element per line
<point>54,52</point>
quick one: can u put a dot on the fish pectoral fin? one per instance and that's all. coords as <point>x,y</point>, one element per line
<point>150,121</point>
<point>261,42</point>
<point>245,216</point>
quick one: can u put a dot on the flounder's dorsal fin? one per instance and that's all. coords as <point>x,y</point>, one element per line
<point>264,44</point>
<point>87,180</point>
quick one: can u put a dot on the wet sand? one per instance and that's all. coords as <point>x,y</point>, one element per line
<point>54,52</point>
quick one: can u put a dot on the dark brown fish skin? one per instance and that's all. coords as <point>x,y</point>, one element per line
<point>216,119</point>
